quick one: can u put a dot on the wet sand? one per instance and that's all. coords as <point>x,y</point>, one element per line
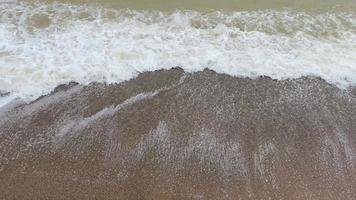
<point>172,135</point>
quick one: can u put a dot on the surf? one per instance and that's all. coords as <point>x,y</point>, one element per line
<point>44,45</point>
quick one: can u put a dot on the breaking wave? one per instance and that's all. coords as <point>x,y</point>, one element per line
<point>43,45</point>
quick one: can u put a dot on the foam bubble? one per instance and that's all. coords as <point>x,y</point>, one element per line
<point>44,45</point>
<point>5,100</point>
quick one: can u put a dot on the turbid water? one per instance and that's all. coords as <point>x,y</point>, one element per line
<point>45,44</point>
<point>231,5</point>
<point>263,105</point>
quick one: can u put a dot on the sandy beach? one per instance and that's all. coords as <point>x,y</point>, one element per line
<point>174,135</point>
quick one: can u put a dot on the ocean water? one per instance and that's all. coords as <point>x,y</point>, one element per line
<point>47,43</point>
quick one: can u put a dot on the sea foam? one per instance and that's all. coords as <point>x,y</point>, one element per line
<point>44,45</point>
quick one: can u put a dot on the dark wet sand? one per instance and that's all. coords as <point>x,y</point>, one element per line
<point>171,135</point>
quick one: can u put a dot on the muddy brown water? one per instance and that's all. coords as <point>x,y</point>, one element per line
<point>227,5</point>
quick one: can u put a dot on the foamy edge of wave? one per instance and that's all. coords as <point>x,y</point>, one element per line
<point>92,44</point>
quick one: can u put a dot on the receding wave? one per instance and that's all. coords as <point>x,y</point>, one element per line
<point>173,135</point>
<point>43,45</point>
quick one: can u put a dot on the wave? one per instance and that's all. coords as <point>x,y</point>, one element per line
<point>43,45</point>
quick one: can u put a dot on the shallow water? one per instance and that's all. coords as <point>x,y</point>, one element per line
<point>231,5</point>
<point>44,44</point>
<point>169,134</point>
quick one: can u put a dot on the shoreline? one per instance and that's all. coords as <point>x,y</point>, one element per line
<point>350,89</point>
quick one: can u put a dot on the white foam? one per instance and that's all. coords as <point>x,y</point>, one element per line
<point>44,45</point>
<point>5,100</point>
<point>75,125</point>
